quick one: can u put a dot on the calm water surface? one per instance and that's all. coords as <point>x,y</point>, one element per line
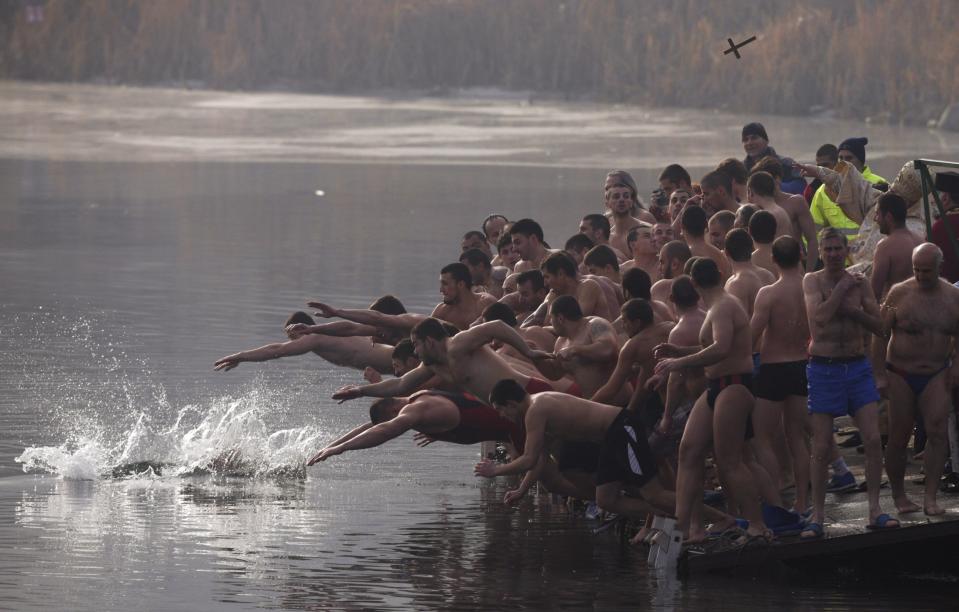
<point>143,234</point>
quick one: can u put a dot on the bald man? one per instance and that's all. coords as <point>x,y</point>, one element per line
<point>921,317</point>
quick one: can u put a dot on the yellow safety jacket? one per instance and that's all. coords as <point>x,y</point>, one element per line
<point>826,213</point>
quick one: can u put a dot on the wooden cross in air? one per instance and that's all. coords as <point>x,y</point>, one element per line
<point>734,48</point>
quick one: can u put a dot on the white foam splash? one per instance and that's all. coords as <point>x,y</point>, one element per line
<point>228,437</point>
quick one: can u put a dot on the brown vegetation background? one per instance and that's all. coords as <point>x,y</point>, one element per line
<point>895,59</point>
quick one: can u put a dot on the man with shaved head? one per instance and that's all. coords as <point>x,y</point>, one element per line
<point>921,317</point>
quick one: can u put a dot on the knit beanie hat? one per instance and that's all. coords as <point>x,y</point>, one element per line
<point>755,129</point>
<point>856,146</point>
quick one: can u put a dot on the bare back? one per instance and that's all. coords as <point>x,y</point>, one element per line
<point>569,417</point>
<point>780,317</point>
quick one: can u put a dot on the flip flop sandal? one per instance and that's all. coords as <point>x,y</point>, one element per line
<point>882,522</point>
<point>815,528</point>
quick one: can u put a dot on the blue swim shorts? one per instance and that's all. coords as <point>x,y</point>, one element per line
<point>840,386</point>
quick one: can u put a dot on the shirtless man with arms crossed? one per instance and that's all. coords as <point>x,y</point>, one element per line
<point>779,322</point>
<point>921,315</point>
<point>842,312</point>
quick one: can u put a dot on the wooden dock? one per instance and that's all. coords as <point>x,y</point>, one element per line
<point>930,546</point>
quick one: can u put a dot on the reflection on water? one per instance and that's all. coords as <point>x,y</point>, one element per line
<point>123,281</point>
<point>346,543</point>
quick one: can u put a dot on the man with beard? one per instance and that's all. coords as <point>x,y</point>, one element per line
<point>596,227</point>
<point>892,260</point>
<point>527,236</point>
<point>672,261</point>
<point>460,306</point>
<point>619,202</point>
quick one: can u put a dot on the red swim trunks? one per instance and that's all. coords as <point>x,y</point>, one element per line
<point>536,385</point>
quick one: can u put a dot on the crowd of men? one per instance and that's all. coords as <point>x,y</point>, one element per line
<point>717,324</point>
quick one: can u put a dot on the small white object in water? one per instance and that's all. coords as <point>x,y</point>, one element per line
<point>320,193</point>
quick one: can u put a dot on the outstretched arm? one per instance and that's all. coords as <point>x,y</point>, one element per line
<point>276,350</point>
<point>369,317</point>
<point>374,436</point>
<point>337,328</point>
<point>351,434</point>
<point>394,387</point>
<point>484,333</point>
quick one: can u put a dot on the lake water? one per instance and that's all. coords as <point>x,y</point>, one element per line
<point>145,233</point>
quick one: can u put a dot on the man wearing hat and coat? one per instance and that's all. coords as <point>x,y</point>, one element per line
<point>947,184</point>
<point>756,145</point>
<point>825,212</point>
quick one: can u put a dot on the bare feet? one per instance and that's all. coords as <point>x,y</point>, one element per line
<point>933,509</point>
<point>904,505</point>
<point>640,536</point>
<point>721,526</point>
<point>695,537</point>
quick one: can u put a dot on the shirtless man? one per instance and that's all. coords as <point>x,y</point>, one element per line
<point>530,293</point>
<point>747,279</point>
<point>761,190</point>
<point>441,415</point>
<point>351,352</point>
<point>645,333</point>
<point>891,264</point>
<point>636,284</point>
<point>644,252</point>
<point>602,267</point>
<point>892,260</point>
<point>721,415</point>
<point>683,386</point>
<point>672,260</point>
<point>493,227</point>
<point>596,227</point>
<point>576,247</point>
<point>585,348</point>
<point>460,306</point>
<point>803,227</point>
<point>527,236</point>
<point>541,338</point>
<point>841,311</point>
<point>560,276</point>
<point>625,461</point>
<point>719,226</point>
<point>601,261</point>
<point>762,229</point>
<point>735,169</point>
<point>619,200</point>
<point>694,223</point>
<point>662,234</point>
<point>718,193</point>
<point>921,315</point>
<point>621,178</point>
<point>465,362</point>
<point>677,203</point>
<point>481,273</point>
<point>474,239</point>
<point>779,322</point>
<point>505,255</point>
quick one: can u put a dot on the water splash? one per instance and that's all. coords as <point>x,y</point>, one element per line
<point>228,437</point>
<point>108,417</point>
